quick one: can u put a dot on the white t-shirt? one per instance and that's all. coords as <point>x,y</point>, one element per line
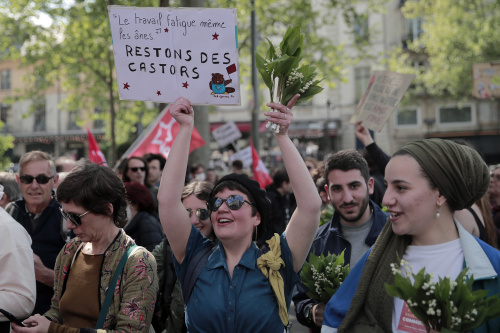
<point>444,260</point>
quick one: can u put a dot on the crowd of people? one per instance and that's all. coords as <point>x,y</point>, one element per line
<point>166,246</point>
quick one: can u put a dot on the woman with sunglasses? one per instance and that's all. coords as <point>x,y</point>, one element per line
<point>136,171</point>
<point>93,203</point>
<point>239,289</point>
<point>171,316</point>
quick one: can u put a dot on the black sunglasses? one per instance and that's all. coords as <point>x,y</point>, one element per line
<point>75,218</point>
<point>201,213</point>
<point>137,168</point>
<point>40,179</point>
<point>234,202</point>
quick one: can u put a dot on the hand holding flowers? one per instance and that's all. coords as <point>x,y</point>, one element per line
<point>282,73</point>
<point>324,275</point>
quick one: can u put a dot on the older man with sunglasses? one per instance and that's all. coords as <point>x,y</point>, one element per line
<point>38,212</point>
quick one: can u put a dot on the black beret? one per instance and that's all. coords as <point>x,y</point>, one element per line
<point>262,203</point>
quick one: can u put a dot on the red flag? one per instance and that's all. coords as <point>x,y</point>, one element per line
<point>259,170</point>
<point>231,69</point>
<point>95,153</point>
<point>159,137</point>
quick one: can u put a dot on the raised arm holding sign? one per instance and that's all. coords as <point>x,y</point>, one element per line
<point>384,92</point>
<point>165,53</point>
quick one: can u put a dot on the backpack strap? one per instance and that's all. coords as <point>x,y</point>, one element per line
<point>111,287</point>
<point>194,270</point>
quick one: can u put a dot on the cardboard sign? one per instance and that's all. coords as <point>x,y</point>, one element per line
<point>226,134</point>
<point>162,53</point>
<point>384,92</point>
<point>486,80</point>
<point>244,155</point>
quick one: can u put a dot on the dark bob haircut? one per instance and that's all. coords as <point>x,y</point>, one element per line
<point>94,187</point>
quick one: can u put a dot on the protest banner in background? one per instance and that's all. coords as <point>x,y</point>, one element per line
<point>162,53</point>
<point>226,134</point>
<point>486,80</point>
<point>159,136</point>
<point>95,153</point>
<point>384,92</point>
<point>244,155</point>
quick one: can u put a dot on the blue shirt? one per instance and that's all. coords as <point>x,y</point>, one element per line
<point>219,88</point>
<point>244,303</point>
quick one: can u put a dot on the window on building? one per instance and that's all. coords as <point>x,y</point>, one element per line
<point>413,28</point>
<point>40,115</point>
<point>6,78</point>
<point>408,117</point>
<point>362,77</point>
<point>455,114</point>
<point>4,112</point>
<point>99,118</point>
<point>73,120</point>
<point>361,31</point>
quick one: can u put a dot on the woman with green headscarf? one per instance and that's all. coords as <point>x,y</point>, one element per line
<point>427,180</point>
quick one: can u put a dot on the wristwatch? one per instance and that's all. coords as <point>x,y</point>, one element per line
<point>308,313</point>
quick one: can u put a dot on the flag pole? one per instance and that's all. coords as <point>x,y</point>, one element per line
<point>141,137</point>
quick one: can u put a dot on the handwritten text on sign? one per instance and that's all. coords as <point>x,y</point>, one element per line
<point>164,53</point>
<point>385,90</point>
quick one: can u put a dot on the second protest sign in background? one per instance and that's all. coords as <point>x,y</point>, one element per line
<point>164,53</point>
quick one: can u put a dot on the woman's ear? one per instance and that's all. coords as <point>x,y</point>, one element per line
<point>110,209</point>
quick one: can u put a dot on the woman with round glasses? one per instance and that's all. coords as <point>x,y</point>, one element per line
<point>239,288</point>
<point>171,316</point>
<point>93,202</point>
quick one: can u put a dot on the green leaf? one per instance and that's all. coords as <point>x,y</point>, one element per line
<point>261,67</point>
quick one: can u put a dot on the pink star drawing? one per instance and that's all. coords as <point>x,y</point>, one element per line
<point>185,85</point>
<point>215,36</point>
<point>158,93</point>
<point>126,86</point>
<point>166,29</point>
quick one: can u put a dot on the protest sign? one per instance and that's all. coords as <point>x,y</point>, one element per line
<point>486,80</point>
<point>163,53</point>
<point>226,134</point>
<point>385,90</point>
<point>244,155</point>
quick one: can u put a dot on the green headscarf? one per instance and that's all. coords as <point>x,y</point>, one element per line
<point>458,171</point>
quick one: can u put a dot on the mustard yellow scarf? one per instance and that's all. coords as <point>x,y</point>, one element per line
<point>270,264</point>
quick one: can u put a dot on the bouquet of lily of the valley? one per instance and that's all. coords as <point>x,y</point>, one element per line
<point>445,306</point>
<point>282,73</point>
<point>324,275</point>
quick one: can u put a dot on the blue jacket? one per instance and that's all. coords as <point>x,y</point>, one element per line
<point>482,260</point>
<point>329,239</point>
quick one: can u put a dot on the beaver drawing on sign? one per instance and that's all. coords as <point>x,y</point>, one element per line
<point>218,85</point>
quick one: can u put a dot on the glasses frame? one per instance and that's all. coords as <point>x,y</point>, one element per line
<point>214,203</point>
<point>199,213</point>
<point>24,179</point>
<point>74,218</point>
<point>135,169</point>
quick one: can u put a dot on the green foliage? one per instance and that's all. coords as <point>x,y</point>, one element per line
<point>446,306</point>
<point>6,143</point>
<point>456,34</point>
<point>281,72</point>
<point>324,275</point>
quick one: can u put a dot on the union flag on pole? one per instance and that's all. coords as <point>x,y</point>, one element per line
<point>95,153</point>
<point>159,136</point>
<point>259,170</point>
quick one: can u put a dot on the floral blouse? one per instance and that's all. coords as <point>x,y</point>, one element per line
<point>133,304</point>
